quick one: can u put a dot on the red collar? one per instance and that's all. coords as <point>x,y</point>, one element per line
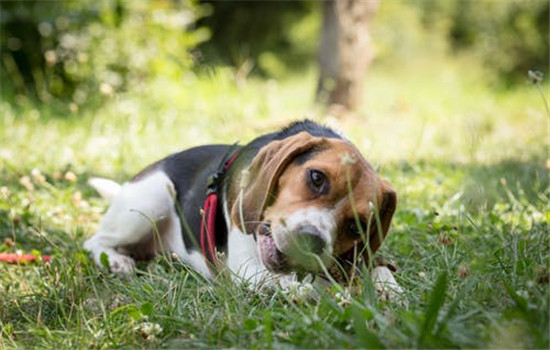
<point>208,222</point>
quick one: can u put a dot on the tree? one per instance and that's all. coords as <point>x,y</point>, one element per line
<point>345,51</point>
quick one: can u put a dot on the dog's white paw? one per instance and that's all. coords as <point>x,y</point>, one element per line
<point>385,284</point>
<point>109,257</point>
<point>121,264</point>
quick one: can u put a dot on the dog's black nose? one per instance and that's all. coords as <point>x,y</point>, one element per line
<point>309,239</point>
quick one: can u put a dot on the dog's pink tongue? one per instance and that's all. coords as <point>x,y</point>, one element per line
<point>270,249</point>
<point>272,258</point>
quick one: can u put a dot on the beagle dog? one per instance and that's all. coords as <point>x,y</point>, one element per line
<point>300,201</point>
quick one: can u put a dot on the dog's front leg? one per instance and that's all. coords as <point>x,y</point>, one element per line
<point>385,284</point>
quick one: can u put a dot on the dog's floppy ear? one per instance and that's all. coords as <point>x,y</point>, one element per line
<point>379,227</point>
<point>387,202</point>
<point>263,174</point>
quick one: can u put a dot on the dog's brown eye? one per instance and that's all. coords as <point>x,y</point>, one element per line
<point>317,181</point>
<point>317,178</point>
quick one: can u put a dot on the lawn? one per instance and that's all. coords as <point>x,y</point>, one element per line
<point>470,236</point>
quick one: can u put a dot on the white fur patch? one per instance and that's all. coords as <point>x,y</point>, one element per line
<point>243,258</point>
<point>322,219</point>
<point>107,189</point>
<point>141,211</point>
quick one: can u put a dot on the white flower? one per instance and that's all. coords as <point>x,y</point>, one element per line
<point>148,330</point>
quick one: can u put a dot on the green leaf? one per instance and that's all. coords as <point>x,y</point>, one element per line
<point>250,324</point>
<point>437,298</point>
<point>134,313</point>
<point>131,310</point>
<point>104,260</point>
<point>147,308</point>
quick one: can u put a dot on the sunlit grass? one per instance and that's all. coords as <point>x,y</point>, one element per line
<point>445,112</point>
<point>467,161</point>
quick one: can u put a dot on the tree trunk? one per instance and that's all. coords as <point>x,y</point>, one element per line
<point>345,51</point>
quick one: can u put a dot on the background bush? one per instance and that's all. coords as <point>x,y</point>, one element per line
<point>509,37</point>
<point>73,50</point>
<point>69,51</point>
<point>267,36</point>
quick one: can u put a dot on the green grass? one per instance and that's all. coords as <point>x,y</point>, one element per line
<point>470,237</point>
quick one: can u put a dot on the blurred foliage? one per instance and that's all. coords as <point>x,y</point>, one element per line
<point>511,37</point>
<point>267,36</point>
<point>81,51</point>
<point>507,37</point>
<point>84,52</point>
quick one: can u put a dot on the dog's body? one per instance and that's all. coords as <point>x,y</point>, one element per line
<point>301,200</point>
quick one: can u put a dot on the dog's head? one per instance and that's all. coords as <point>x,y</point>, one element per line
<point>314,202</point>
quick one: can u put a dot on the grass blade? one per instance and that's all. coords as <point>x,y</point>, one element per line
<point>367,338</point>
<point>268,329</point>
<point>437,298</point>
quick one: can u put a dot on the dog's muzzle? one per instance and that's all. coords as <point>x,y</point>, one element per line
<point>305,240</point>
<point>303,246</point>
<point>298,250</point>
